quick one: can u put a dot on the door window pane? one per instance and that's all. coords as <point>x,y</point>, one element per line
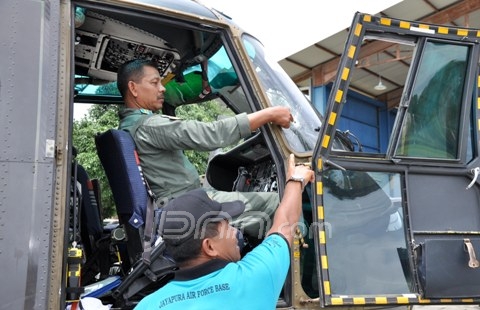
<point>431,125</point>
<point>366,245</point>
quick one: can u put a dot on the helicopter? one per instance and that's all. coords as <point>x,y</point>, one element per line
<point>390,225</point>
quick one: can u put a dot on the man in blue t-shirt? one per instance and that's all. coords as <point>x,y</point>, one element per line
<point>212,274</point>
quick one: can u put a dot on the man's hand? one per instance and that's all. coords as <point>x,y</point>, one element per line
<point>299,170</point>
<point>281,116</point>
<point>276,115</point>
<point>290,208</point>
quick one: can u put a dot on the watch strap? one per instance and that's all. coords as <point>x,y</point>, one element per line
<point>302,182</point>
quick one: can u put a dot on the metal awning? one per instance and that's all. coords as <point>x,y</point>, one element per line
<point>317,64</point>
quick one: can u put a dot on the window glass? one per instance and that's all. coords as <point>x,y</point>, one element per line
<point>281,91</point>
<point>374,92</point>
<point>366,244</point>
<point>431,125</point>
<point>471,131</point>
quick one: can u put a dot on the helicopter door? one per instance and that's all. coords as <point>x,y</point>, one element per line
<point>400,224</point>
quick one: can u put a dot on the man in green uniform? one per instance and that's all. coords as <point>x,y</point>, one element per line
<point>161,140</point>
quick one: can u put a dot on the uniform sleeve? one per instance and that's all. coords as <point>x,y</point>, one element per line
<point>164,133</point>
<point>269,262</point>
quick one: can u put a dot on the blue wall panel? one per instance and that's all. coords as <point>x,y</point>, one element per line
<point>365,118</point>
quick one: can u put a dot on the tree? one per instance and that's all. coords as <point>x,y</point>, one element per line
<point>98,119</point>
<point>204,112</point>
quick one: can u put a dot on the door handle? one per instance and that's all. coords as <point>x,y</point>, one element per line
<point>472,262</point>
<point>475,172</point>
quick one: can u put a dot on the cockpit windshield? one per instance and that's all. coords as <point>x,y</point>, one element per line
<point>303,132</point>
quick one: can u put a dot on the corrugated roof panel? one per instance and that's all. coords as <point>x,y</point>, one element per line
<point>311,56</point>
<point>291,68</point>
<point>394,72</point>
<point>409,10</point>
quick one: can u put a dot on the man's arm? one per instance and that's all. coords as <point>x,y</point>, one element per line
<point>278,115</point>
<point>290,208</point>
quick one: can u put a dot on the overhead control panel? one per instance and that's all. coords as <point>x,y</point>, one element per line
<point>102,44</point>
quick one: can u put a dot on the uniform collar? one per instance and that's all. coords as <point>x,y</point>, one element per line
<point>129,111</point>
<point>145,111</point>
<point>200,270</point>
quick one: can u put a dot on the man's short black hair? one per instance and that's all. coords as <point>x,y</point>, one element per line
<point>131,70</point>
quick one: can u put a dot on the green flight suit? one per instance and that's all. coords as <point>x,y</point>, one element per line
<point>160,141</point>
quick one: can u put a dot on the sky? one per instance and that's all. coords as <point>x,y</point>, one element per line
<point>286,27</point>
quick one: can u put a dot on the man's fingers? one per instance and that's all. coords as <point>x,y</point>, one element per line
<point>312,177</point>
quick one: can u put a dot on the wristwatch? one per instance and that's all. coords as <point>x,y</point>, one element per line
<point>297,178</point>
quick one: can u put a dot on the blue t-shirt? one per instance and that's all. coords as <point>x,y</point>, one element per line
<point>225,285</point>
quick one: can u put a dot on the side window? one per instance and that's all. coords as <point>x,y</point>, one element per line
<point>424,125</point>
<point>374,93</point>
<point>363,211</point>
<point>207,111</point>
<point>431,125</point>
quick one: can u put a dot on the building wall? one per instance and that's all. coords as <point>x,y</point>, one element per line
<point>367,119</point>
